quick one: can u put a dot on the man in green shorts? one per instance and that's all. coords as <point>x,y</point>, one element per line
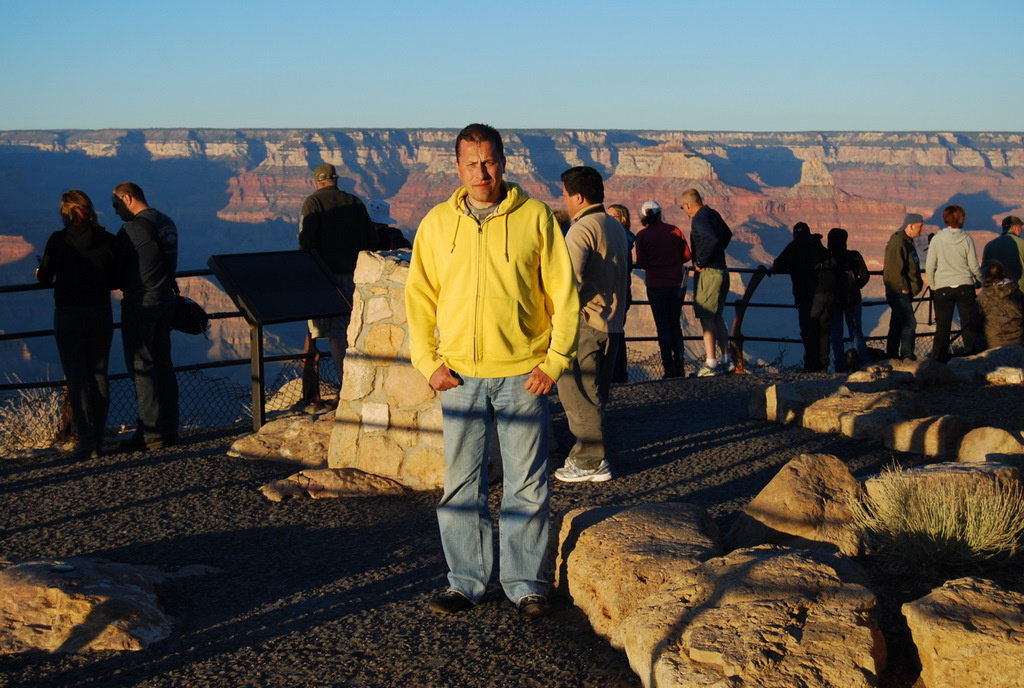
<point>709,235</point>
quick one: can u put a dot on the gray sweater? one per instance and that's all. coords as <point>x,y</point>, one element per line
<point>952,260</point>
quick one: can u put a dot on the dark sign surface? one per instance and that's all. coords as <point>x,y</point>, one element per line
<point>280,286</point>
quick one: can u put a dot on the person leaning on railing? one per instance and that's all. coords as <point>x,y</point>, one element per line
<point>902,276</point>
<point>82,261</point>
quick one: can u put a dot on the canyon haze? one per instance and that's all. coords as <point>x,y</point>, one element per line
<point>240,191</point>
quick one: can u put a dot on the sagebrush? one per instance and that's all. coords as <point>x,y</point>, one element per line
<point>31,419</point>
<point>941,522</point>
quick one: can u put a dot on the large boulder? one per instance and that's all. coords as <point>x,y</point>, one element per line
<point>969,632</point>
<point>805,504</point>
<point>766,617</point>
<point>611,558</point>
<point>842,411</point>
<point>78,605</point>
<point>992,444</point>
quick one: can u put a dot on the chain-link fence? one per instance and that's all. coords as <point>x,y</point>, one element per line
<point>38,418</point>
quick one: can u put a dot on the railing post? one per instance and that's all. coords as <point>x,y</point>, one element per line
<point>310,371</point>
<point>736,337</point>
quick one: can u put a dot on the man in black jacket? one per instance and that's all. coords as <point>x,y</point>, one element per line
<point>812,270</point>
<point>147,256</point>
<point>336,225</point>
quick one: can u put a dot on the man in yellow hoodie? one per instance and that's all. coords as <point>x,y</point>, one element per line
<point>491,272</point>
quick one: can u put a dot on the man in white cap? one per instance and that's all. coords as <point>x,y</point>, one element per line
<point>388,238</point>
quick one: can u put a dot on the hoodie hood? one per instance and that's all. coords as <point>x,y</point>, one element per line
<point>955,236</point>
<point>514,198</point>
<point>83,237</point>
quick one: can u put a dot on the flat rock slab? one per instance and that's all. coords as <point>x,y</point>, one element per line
<point>968,633</point>
<point>766,617</point>
<point>611,558</point>
<point>328,483</point>
<point>302,440</point>
<point>947,473</point>
<point>77,605</point>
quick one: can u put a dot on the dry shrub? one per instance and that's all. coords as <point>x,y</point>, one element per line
<point>30,419</point>
<point>947,522</point>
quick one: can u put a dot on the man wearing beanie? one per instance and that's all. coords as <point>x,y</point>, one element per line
<point>902,276</point>
<point>1008,250</point>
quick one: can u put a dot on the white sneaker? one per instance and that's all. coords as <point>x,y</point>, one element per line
<point>571,473</point>
<point>705,371</point>
<point>729,365</point>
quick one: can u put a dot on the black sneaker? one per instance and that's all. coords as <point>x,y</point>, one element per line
<point>451,602</point>
<point>532,607</point>
<point>134,443</point>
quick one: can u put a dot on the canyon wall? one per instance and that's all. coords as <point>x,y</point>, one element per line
<point>240,190</point>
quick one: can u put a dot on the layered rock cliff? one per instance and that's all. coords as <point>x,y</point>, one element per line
<point>241,190</point>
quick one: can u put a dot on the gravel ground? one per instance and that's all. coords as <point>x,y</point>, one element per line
<point>334,592</point>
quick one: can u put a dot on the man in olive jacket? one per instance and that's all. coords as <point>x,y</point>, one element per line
<point>902,276</point>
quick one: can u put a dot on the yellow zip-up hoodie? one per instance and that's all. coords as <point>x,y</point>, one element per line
<point>501,294</point>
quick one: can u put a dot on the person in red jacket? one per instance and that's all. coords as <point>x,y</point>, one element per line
<point>662,252</point>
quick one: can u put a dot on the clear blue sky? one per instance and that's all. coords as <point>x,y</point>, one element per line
<point>745,65</point>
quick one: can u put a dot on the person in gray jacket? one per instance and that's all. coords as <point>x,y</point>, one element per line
<point>952,270</point>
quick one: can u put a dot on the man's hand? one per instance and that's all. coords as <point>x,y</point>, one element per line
<point>539,382</point>
<point>443,379</point>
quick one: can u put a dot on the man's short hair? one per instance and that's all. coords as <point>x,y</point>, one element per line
<point>478,133</point>
<point>585,181</point>
<point>132,189</point>
<point>691,196</point>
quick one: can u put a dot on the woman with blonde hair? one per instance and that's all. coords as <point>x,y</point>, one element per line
<point>80,260</point>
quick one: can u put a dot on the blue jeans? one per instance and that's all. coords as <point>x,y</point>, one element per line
<point>902,325</point>
<point>146,335</point>
<point>667,309</point>
<point>470,412</point>
<point>852,315</point>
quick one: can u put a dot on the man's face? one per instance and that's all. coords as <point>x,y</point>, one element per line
<point>120,208</point>
<point>914,230</point>
<point>689,208</point>
<point>480,170</point>
<point>1015,229</point>
<point>573,202</point>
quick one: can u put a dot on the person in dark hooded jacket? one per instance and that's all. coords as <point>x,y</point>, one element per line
<point>83,261</point>
<point>812,270</point>
<point>851,276</point>
<point>1002,307</point>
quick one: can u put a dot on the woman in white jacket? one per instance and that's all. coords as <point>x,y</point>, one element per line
<point>953,273</point>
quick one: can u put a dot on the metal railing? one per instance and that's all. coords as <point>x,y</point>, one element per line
<point>207,400</point>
